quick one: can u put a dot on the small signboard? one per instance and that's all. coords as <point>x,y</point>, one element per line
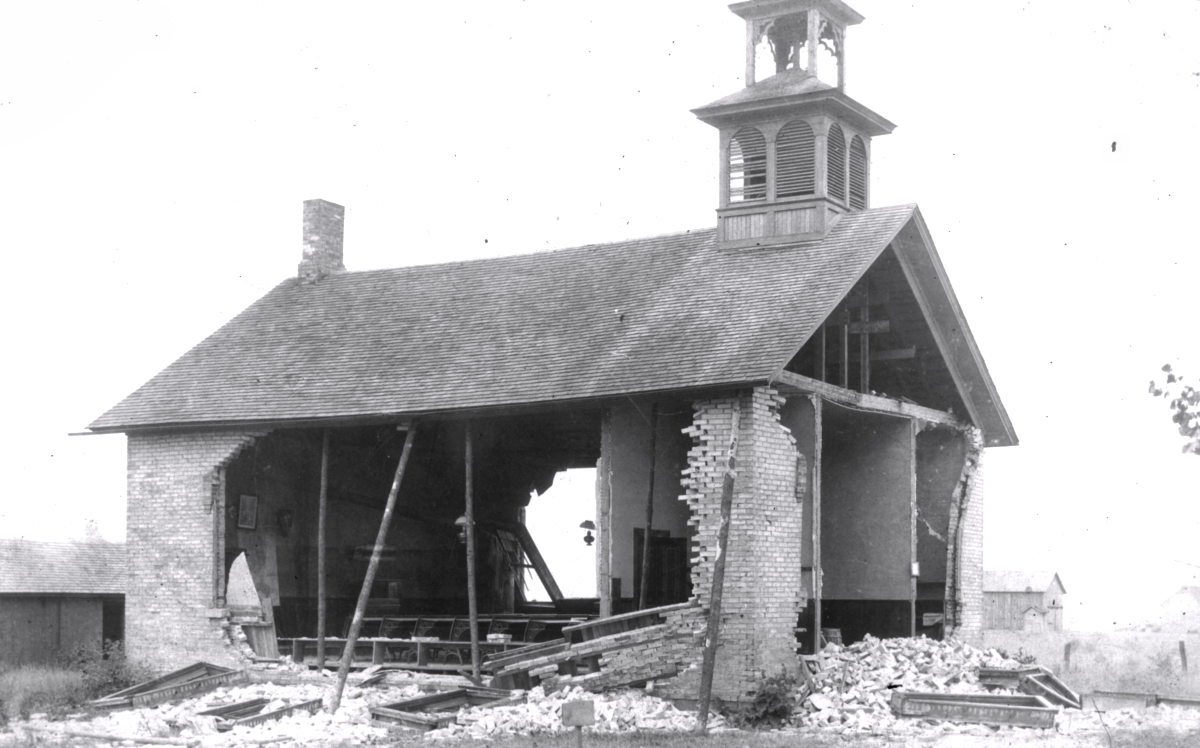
<point>931,619</point>
<point>579,713</point>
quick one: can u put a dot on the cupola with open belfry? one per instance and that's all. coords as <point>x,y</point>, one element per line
<point>795,149</point>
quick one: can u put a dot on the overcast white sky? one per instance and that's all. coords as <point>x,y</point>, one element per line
<point>154,157</point>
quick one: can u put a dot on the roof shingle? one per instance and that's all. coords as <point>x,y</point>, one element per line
<point>29,567</point>
<point>663,313</point>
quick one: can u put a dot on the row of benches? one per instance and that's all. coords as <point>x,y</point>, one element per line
<point>430,642</point>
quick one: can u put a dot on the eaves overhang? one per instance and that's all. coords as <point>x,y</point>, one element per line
<point>745,106</point>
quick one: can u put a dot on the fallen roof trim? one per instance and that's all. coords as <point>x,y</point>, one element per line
<point>886,405</point>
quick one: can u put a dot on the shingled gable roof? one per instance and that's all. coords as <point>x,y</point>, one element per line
<point>30,567</point>
<point>666,313</point>
<point>1020,581</point>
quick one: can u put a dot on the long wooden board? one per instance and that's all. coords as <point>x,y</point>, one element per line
<point>988,709</point>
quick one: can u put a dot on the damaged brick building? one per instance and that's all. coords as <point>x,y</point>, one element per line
<point>853,509</point>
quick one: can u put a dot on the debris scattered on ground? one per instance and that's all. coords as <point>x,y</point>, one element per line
<point>849,695</point>
<point>852,687</point>
<point>625,710</point>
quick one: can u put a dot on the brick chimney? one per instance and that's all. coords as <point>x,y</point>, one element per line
<point>323,225</point>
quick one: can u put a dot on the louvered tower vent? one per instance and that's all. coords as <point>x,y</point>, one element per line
<point>795,149</point>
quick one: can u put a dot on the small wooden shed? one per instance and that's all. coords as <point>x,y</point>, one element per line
<point>1181,611</point>
<point>1023,600</point>
<point>55,596</point>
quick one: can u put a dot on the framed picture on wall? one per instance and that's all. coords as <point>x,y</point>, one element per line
<point>248,513</point>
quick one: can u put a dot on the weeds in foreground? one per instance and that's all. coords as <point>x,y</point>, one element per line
<point>33,688</point>
<point>80,674</point>
<point>106,670</point>
<point>772,705</point>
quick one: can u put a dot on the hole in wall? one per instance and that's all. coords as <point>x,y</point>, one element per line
<point>553,520</point>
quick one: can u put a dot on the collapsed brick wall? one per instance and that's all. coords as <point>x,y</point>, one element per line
<point>970,572</point>
<point>176,493</point>
<point>964,578</point>
<point>764,590</point>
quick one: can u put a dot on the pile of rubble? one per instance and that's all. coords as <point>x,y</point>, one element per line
<point>852,685</point>
<point>625,710</point>
<point>181,721</point>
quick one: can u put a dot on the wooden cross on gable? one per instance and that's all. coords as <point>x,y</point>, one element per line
<point>854,318</point>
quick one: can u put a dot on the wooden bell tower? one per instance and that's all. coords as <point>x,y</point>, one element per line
<point>795,149</point>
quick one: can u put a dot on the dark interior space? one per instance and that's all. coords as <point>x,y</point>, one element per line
<point>112,618</point>
<point>423,567</point>
<point>866,514</point>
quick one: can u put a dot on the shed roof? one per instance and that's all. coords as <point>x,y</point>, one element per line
<point>1020,581</point>
<point>666,313</point>
<point>1184,593</point>
<point>30,567</point>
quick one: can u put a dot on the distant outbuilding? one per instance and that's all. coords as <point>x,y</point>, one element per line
<point>1182,610</point>
<point>55,596</point>
<point>1023,600</point>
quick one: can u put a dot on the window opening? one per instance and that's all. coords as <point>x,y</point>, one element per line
<point>836,163</point>
<point>858,174</point>
<point>795,160</point>
<point>747,166</point>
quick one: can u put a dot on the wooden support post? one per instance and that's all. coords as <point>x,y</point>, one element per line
<point>816,520</point>
<point>604,515</point>
<point>913,429</point>
<point>814,40</point>
<point>472,603</point>
<point>217,509</point>
<point>820,363</point>
<point>751,50</point>
<point>335,699</point>
<point>322,513</point>
<point>846,357</point>
<point>841,62</point>
<point>642,596</point>
<point>712,634</point>
<point>864,354</point>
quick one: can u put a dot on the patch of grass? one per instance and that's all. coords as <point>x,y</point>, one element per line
<point>1154,737</point>
<point>106,670</point>
<point>34,688</point>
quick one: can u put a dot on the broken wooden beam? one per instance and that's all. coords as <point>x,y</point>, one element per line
<point>988,709</point>
<point>1048,686</point>
<point>335,699</point>
<point>114,738</point>
<point>307,706</point>
<point>440,709</point>
<point>187,681</point>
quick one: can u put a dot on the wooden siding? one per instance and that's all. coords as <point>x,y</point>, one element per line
<point>801,221</point>
<point>746,226</point>
<point>1006,610</point>
<point>34,629</point>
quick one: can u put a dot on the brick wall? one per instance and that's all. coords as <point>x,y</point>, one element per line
<point>763,586</point>
<point>170,542</point>
<point>970,592</point>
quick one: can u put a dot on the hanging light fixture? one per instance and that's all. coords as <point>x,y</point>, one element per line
<point>588,525</point>
<point>461,524</point>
